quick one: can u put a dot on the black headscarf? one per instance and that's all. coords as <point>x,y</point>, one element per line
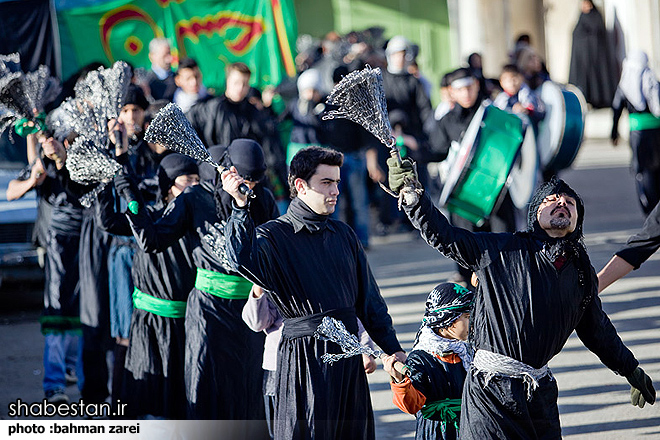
<point>172,166</point>
<point>445,303</point>
<point>570,246</point>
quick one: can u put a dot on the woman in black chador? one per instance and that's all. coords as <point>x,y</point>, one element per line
<point>535,288</point>
<point>153,381</point>
<point>593,68</point>
<point>438,364</point>
<point>223,356</point>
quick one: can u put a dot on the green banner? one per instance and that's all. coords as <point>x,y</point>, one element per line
<point>260,33</point>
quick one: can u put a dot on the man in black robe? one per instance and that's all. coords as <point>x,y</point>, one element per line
<point>593,69</point>
<point>315,267</point>
<point>535,288</point>
<point>637,250</point>
<point>152,382</point>
<point>223,356</point>
<point>220,120</point>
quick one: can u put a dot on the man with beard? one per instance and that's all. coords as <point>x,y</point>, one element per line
<point>535,287</point>
<point>314,266</point>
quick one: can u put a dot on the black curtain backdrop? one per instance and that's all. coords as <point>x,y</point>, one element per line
<point>26,28</point>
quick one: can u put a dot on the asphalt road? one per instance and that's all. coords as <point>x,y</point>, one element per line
<point>593,401</point>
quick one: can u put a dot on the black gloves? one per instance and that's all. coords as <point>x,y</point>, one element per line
<point>641,389</point>
<point>127,189</point>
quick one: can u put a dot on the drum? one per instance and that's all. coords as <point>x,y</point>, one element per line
<point>524,174</point>
<point>481,167</point>
<point>560,132</point>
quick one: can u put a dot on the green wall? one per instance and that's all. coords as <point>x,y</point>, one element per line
<point>425,22</point>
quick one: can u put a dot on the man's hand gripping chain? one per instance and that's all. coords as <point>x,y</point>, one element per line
<point>403,182</point>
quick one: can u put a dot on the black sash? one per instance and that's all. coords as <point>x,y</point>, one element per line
<point>307,325</point>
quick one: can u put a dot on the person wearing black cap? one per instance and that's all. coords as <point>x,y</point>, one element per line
<point>467,97</point>
<point>438,364</point>
<point>535,287</point>
<point>223,356</point>
<point>127,131</point>
<point>313,266</point>
<point>151,380</point>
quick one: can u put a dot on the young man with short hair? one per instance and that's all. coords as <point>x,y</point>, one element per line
<point>315,267</point>
<point>220,120</point>
<point>190,89</point>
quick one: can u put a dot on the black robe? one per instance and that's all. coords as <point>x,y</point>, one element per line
<point>223,356</point>
<point>218,121</point>
<point>154,382</point>
<point>526,309</point>
<point>62,240</point>
<point>437,380</point>
<point>645,243</point>
<point>593,69</point>
<point>310,274</point>
<point>90,256</point>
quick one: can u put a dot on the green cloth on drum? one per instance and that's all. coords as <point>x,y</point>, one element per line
<point>158,306</point>
<point>447,410</point>
<point>643,121</point>
<point>222,284</point>
<point>497,145</point>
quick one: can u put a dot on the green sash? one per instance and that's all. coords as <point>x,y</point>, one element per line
<point>158,306</point>
<point>222,284</point>
<point>448,410</point>
<point>643,121</point>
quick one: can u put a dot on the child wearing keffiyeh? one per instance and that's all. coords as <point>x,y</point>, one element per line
<point>438,364</point>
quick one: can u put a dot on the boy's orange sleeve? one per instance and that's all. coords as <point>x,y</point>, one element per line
<point>406,397</point>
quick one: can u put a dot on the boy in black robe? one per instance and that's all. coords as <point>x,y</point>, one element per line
<point>438,364</point>
<point>535,288</point>
<point>315,266</point>
<point>153,378</point>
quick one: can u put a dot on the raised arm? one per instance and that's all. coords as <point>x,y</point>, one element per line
<point>17,188</point>
<point>242,247</point>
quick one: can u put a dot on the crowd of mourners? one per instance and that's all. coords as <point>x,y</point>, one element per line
<point>209,299</point>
